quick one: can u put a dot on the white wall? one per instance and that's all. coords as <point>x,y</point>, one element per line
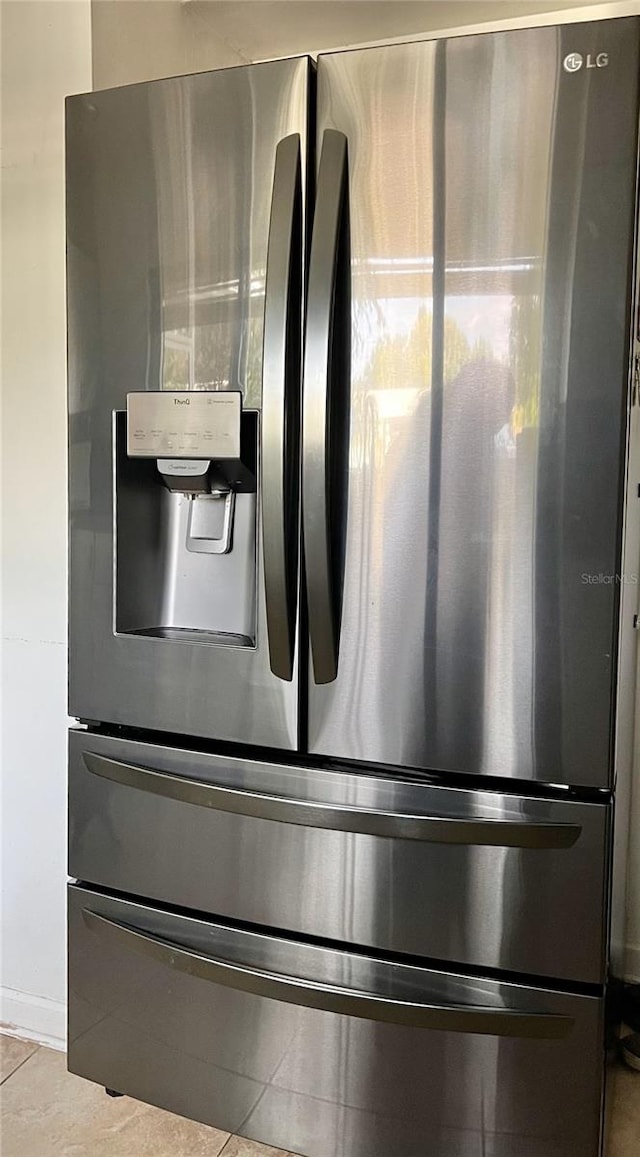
<point>46,53</point>
<point>146,39</point>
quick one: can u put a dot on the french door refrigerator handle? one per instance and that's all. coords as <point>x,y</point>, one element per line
<point>316,442</point>
<point>482,1019</point>
<point>335,817</point>
<point>280,413</point>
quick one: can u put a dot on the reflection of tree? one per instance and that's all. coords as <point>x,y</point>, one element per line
<point>213,356</point>
<point>177,366</point>
<point>406,361</point>
<point>229,356</point>
<point>403,363</point>
<point>525,348</point>
<point>399,362</point>
<point>175,374</point>
<point>226,355</point>
<point>387,365</point>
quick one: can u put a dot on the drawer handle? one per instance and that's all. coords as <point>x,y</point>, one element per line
<point>481,1019</point>
<point>312,814</point>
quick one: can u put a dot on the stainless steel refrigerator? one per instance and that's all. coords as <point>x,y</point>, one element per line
<point>354,537</point>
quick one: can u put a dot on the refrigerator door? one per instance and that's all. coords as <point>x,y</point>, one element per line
<point>487,880</point>
<point>324,1052</point>
<point>465,616</point>
<point>185,222</point>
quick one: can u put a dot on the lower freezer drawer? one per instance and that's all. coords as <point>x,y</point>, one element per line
<point>324,1052</point>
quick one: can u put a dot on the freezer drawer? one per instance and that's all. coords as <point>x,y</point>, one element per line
<point>484,879</point>
<point>324,1052</point>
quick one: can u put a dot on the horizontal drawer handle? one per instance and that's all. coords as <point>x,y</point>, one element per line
<point>336,817</point>
<point>481,1019</point>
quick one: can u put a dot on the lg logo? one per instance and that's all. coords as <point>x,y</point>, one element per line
<point>575,61</point>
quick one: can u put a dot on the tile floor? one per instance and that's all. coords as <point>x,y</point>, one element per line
<point>47,1112</point>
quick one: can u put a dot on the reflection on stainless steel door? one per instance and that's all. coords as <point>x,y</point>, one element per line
<point>169,196</point>
<point>326,1052</point>
<point>489,191</point>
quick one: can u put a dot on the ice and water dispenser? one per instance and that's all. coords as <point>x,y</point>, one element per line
<point>185,514</point>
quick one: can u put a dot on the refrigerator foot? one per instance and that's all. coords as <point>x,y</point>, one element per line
<point>112,1093</point>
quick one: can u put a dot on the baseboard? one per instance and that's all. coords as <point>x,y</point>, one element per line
<point>33,1018</point>
<point>632,963</point>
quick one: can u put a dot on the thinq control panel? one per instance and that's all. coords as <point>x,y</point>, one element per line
<point>184,424</point>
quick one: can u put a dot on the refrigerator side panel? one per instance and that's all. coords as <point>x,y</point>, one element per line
<point>491,208</point>
<point>628,697</point>
<point>170,201</point>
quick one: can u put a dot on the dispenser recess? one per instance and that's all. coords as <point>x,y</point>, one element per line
<point>185,469</point>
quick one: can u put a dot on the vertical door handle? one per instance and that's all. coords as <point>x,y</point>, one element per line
<point>318,413</point>
<point>280,405</point>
